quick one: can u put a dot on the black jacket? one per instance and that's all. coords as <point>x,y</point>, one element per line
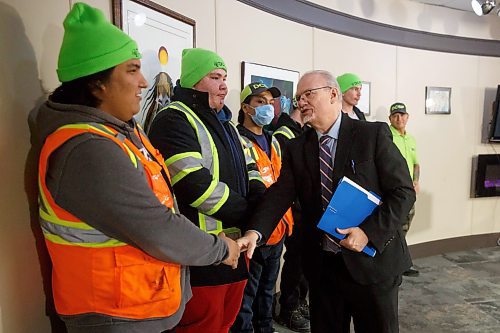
<point>171,134</point>
<point>359,113</point>
<point>285,120</point>
<point>379,167</point>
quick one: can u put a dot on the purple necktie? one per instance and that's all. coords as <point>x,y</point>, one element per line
<point>326,171</point>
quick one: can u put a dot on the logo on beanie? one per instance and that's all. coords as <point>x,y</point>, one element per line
<point>136,53</point>
<point>356,83</point>
<point>218,64</point>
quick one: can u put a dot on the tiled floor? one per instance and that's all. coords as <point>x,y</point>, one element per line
<point>455,292</point>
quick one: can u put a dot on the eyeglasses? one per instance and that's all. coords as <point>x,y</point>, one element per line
<point>309,93</point>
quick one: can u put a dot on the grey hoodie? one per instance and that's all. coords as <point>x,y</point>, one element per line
<point>92,178</point>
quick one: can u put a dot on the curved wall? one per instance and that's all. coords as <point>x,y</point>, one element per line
<point>324,18</point>
<point>413,15</point>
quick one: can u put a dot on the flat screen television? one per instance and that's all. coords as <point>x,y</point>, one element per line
<point>495,121</point>
<point>487,176</point>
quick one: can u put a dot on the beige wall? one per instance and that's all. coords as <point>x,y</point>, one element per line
<point>31,34</point>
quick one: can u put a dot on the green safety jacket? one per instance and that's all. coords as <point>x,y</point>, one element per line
<point>182,164</point>
<point>201,162</point>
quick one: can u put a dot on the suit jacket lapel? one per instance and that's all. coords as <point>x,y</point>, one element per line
<point>311,153</point>
<point>344,144</point>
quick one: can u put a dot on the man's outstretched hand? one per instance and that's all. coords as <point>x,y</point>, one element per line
<point>248,243</point>
<point>233,249</point>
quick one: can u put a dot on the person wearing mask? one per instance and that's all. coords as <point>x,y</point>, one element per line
<point>350,86</point>
<point>215,182</point>
<point>344,282</point>
<point>407,145</point>
<point>110,220</point>
<point>293,305</point>
<point>257,111</point>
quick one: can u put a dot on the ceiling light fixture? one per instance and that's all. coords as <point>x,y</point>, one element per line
<point>482,7</point>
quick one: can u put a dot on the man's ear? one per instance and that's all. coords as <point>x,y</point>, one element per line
<point>97,87</point>
<point>246,108</point>
<point>335,94</point>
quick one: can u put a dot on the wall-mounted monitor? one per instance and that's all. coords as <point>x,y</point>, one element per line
<point>487,180</point>
<point>495,120</point>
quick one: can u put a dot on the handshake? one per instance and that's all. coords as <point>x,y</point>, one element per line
<point>246,243</point>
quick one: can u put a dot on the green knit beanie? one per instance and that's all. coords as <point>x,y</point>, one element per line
<point>196,63</point>
<point>91,44</point>
<point>347,81</point>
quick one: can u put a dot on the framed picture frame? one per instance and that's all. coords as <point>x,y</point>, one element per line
<point>161,35</point>
<point>284,79</point>
<point>364,101</point>
<point>437,100</point>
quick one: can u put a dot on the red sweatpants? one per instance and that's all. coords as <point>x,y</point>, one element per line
<point>212,309</point>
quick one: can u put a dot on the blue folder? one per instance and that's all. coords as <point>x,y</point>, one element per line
<point>349,207</point>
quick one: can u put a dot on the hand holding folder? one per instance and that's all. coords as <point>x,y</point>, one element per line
<point>349,206</point>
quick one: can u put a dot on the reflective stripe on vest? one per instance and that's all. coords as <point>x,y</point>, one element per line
<point>250,157</point>
<point>181,165</point>
<point>285,131</point>
<point>92,272</point>
<point>269,169</point>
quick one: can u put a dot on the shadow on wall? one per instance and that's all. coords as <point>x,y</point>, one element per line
<point>20,90</point>
<point>422,220</point>
<point>381,114</point>
<point>489,98</point>
<point>367,7</point>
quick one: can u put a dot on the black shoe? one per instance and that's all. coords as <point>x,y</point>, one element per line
<point>411,272</point>
<point>304,309</point>
<point>294,321</point>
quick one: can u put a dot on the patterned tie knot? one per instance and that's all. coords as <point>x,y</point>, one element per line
<point>324,140</point>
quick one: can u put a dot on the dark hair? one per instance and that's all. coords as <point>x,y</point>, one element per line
<point>241,117</point>
<point>241,114</point>
<point>80,91</point>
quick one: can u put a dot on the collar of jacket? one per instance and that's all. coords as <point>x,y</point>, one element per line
<point>250,135</point>
<point>285,120</point>
<point>51,115</point>
<point>198,100</point>
<point>193,98</point>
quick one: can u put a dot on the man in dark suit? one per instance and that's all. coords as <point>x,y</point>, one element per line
<point>344,282</point>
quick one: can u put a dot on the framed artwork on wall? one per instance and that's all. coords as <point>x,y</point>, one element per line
<point>437,100</point>
<point>364,101</point>
<point>161,35</point>
<point>283,79</point>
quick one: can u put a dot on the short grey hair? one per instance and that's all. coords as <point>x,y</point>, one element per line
<point>328,76</point>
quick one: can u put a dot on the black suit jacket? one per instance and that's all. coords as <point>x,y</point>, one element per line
<point>359,113</point>
<point>378,167</point>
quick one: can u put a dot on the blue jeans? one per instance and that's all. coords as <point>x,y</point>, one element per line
<point>256,308</point>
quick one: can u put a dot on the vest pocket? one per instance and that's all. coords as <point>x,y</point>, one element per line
<point>142,279</point>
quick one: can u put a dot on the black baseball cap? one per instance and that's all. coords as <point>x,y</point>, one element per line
<point>398,108</point>
<point>257,88</point>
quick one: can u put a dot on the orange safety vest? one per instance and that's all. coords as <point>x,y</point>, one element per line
<point>269,169</point>
<point>92,272</point>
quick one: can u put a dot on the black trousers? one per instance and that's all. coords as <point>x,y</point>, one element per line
<point>334,297</point>
<point>293,285</point>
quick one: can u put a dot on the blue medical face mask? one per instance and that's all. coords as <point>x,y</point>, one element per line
<point>264,114</point>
